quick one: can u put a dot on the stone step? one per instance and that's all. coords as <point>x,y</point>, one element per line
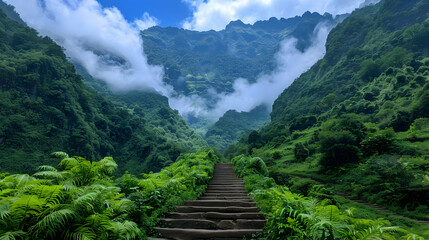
<point>220,203</point>
<point>223,187</point>
<point>216,215</point>
<point>208,224</point>
<point>226,184</point>
<point>232,209</point>
<point>225,194</point>
<point>225,191</point>
<point>193,234</point>
<point>227,198</point>
<point>225,178</point>
<point>190,223</point>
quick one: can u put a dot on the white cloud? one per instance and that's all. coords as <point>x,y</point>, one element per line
<point>111,49</point>
<point>100,39</point>
<point>291,63</point>
<point>216,14</point>
<point>146,22</point>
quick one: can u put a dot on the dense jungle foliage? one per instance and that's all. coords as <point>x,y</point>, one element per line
<point>46,107</point>
<point>318,216</point>
<point>357,122</point>
<point>80,199</point>
<point>358,119</point>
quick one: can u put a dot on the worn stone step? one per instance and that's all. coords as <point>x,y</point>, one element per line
<point>225,194</point>
<point>212,187</point>
<point>233,209</point>
<point>225,191</point>
<point>190,223</point>
<point>227,185</point>
<point>220,203</point>
<point>216,215</point>
<point>209,224</point>
<point>192,234</point>
<point>227,198</point>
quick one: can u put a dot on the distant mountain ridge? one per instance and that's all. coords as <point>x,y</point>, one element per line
<point>195,62</point>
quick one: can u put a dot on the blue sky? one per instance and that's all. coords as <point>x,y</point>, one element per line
<point>170,13</point>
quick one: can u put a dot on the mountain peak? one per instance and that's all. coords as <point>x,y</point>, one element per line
<point>236,23</point>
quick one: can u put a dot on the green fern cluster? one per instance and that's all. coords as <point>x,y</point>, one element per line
<point>293,216</point>
<point>79,199</point>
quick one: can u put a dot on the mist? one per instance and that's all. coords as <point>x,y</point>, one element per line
<point>291,63</point>
<point>111,50</point>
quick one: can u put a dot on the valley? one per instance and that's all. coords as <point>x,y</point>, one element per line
<point>342,153</point>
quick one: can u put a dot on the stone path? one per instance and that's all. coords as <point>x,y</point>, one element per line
<point>224,212</point>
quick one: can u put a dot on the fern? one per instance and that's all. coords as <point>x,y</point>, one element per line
<point>26,209</point>
<point>53,223</point>
<point>13,235</point>
<point>51,194</point>
<point>125,231</point>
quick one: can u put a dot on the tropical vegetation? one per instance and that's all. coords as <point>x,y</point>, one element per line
<point>80,199</point>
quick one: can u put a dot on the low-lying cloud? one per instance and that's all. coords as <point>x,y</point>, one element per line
<point>291,63</point>
<point>111,49</point>
<point>99,39</point>
<point>216,14</point>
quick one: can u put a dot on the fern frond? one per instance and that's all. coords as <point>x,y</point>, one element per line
<point>51,194</point>
<point>68,163</point>
<point>26,208</point>
<point>13,235</point>
<point>46,168</point>
<point>52,223</point>
<point>125,231</point>
<point>4,211</point>
<point>80,233</point>
<point>55,175</point>
<point>60,155</point>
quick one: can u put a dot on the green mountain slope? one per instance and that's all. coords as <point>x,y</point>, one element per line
<point>45,107</point>
<point>154,110</point>
<point>195,62</point>
<point>358,119</point>
<point>232,125</point>
<point>198,62</point>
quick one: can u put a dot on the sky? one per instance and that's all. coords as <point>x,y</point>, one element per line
<point>204,15</point>
<point>96,32</point>
<point>168,13</point>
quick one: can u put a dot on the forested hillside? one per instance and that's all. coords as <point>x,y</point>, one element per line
<point>194,61</point>
<point>154,110</point>
<point>46,107</point>
<point>358,119</point>
<point>233,125</point>
<point>198,63</point>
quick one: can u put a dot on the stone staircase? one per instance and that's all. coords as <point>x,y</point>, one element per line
<point>224,212</point>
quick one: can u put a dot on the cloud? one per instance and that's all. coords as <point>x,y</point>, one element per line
<point>146,22</point>
<point>216,14</point>
<point>111,49</point>
<point>99,39</point>
<point>291,63</point>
